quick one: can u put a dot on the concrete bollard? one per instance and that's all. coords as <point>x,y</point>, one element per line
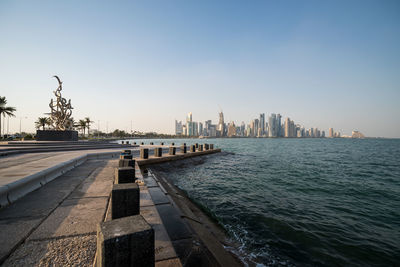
<point>124,175</point>
<point>124,200</point>
<point>200,148</point>
<point>206,147</point>
<point>126,163</point>
<point>193,148</point>
<point>183,148</point>
<point>158,152</point>
<point>151,143</point>
<point>144,153</point>
<point>127,241</point>
<point>125,156</point>
<point>197,145</point>
<point>211,146</point>
<point>172,150</point>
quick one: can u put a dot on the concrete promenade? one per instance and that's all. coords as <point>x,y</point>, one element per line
<point>55,225</point>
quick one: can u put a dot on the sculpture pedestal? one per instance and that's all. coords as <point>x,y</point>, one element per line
<point>51,135</point>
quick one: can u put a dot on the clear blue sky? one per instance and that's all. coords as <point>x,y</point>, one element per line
<point>321,63</point>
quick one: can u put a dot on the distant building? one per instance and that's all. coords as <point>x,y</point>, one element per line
<point>200,129</point>
<point>261,125</point>
<point>357,134</point>
<point>331,133</point>
<point>221,124</point>
<point>272,126</point>
<point>231,129</point>
<point>178,128</point>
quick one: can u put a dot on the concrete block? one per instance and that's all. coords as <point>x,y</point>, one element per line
<point>200,148</point>
<point>144,153</point>
<point>125,156</point>
<point>124,175</point>
<point>211,146</point>
<point>158,152</point>
<point>126,241</point>
<point>183,148</point>
<point>206,147</point>
<point>124,200</point>
<point>126,163</point>
<point>172,150</point>
<point>193,148</point>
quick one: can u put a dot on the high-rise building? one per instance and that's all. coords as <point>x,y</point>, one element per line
<point>201,129</point>
<point>287,127</point>
<point>279,125</point>
<point>272,126</point>
<point>331,133</point>
<point>261,125</point>
<point>231,129</point>
<point>189,124</point>
<point>178,128</point>
<point>221,124</point>
<point>256,124</point>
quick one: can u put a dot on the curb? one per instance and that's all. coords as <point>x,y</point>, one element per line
<point>12,192</point>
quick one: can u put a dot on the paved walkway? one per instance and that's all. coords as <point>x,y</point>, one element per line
<point>14,168</point>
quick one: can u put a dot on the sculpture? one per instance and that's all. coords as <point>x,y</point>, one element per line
<point>61,110</point>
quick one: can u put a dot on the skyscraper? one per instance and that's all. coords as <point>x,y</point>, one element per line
<point>261,125</point>
<point>331,133</point>
<point>287,127</point>
<point>178,127</point>
<point>272,126</point>
<point>221,124</point>
<point>279,125</point>
<point>189,124</point>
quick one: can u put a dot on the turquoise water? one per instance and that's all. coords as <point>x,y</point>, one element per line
<point>330,202</point>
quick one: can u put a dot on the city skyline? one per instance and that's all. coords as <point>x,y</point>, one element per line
<point>331,64</point>
<point>257,127</point>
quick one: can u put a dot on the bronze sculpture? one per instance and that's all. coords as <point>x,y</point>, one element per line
<point>61,110</point>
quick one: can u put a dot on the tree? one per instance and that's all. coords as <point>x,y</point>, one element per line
<point>42,122</point>
<point>82,126</point>
<point>88,122</point>
<point>4,110</point>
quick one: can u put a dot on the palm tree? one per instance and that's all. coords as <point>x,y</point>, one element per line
<point>82,126</point>
<point>9,111</point>
<point>88,122</point>
<point>42,122</point>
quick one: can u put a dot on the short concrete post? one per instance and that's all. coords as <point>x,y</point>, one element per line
<point>124,175</point>
<point>144,153</point>
<point>206,147</point>
<point>193,148</point>
<point>125,156</point>
<point>183,148</point>
<point>172,150</point>
<point>197,145</point>
<point>200,148</point>
<point>211,146</point>
<point>158,152</point>
<point>124,200</point>
<point>127,241</point>
<point>126,163</point>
